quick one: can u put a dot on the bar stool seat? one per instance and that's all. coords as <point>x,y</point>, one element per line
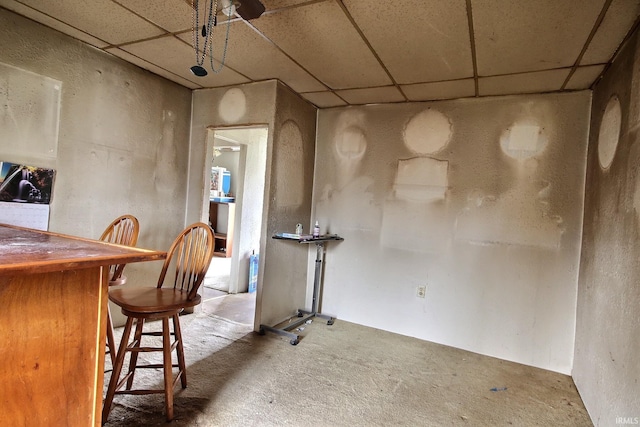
<point>152,300</point>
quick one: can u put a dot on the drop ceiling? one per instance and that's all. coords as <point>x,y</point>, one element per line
<point>351,52</point>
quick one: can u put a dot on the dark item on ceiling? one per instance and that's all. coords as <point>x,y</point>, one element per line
<point>250,9</point>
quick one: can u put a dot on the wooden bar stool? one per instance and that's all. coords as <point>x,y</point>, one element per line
<point>188,259</point>
<point>123,230</point>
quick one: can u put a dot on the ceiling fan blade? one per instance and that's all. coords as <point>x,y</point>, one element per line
<point>250,9</point>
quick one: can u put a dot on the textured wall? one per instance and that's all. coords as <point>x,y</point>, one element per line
<point>606,368</point>
<point>480,200</point>
<point>122,143</point>
<point>252,104</point>
<point>290,189</point>
<point>288,181</point>
<point>235,107</point>
<point>252,169</point>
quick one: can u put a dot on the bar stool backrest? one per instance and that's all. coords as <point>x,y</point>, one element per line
<point>123,230</point>
<point>188,259</point>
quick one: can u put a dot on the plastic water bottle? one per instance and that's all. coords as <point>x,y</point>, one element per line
<point>253,271</point>
<point>316,230</point>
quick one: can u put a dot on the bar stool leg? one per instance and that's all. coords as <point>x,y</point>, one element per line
<point>182,366</point>
<point>115,373</point>
<point>133,360</point>
<point>111,342</point>
<point>168,369</point>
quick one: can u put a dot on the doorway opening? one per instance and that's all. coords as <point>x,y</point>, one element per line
<point>233,205</point>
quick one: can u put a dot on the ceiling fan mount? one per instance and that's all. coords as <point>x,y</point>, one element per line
<point>249,9</point>
<point>246,9</point>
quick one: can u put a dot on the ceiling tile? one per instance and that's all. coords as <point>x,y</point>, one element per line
<point>419,46</point>
<point>102,18</point>
<point>324,42</point>
<point>584,77</point>
<point>318,47</point>
<point>540,81</point>
<point>615,25</point>
<point>277,4</point>
<point>519,36</point>
<point>374,95</point>
<point>440,90</point>
<point>172,15</point>
<point>323,99</point>
<point>257,58</point>
<point>177,57</point>
<point>52,23</point>
<point>151,67</point>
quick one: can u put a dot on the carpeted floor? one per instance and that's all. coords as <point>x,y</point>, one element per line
<point>346,375</point>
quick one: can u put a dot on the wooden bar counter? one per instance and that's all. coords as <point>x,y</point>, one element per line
<point>53,311</point>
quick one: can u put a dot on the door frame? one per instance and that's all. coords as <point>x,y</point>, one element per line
<point>250,180</point>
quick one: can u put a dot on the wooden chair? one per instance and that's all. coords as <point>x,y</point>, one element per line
<point>123,230</point>
<point>188,259</point>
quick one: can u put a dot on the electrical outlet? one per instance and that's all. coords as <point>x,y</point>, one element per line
<point>421,291</point>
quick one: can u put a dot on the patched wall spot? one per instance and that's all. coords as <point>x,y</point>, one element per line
<point>428,132</point>
<point>290,170</point>
<point>523,139</point>
<point>609,132</point>
<point>421,179</point>
<point>233,105</point>
<point>351,144</point>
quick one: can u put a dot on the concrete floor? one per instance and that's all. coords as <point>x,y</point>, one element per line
<point>344,375</point>
<point>239,308</point>
<point>215,299</point>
